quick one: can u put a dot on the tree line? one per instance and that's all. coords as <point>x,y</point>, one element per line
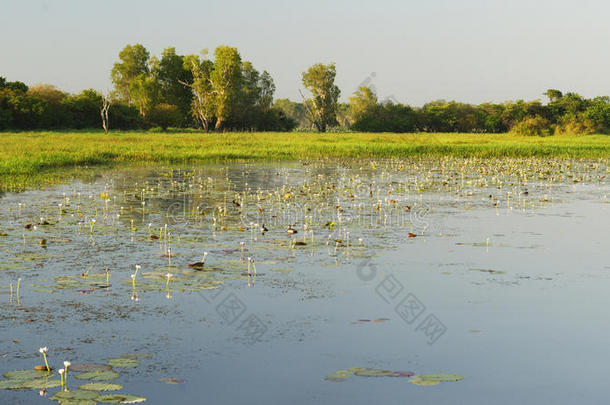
<point>225,93</point>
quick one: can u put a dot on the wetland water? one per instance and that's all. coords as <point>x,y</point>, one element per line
<point>424,281</point>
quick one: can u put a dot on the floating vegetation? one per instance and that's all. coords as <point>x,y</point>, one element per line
<point>378,320</point>
<point>120,399</point>
<point>434,379</point>
<point>100,387</point>
<point>98,375</point>
<point>424,379</point>
<point>26,374</point>
<point>123,363</point>
<point>73,396</point>
<point>83,368</point>
<point>172,380</point>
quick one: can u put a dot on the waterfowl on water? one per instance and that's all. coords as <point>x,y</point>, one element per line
<point>199,265</point>
<point>264,229</point>
<point>236,204</point>
<point>291,230</point>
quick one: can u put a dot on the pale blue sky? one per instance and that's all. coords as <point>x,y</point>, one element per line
<point>468,50</point>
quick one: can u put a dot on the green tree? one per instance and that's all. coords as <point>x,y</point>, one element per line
<point>293,111</point>
<point>171,73</point>
<point>226,80</point>
<point>267,90</point>
<point>165,115</point>
<point>203,103</point>
<point>363,100</point>
<point>133,64</point>
<point>319,79</point>
<point>144,91</point>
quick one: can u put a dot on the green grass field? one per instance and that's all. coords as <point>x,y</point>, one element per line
<point>40,154</point>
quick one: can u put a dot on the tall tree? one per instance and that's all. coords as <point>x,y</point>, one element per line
<point>171,73</point>
<point>267,89</point>
<point>144,91</point>
<point>134,62</point>
<point>226,80</point>
<point>363,100</point>
<point>203,103</point>
<point>322,106</point>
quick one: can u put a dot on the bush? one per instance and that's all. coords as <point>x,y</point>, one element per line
<point>165,115</point>
<point>533,126</point>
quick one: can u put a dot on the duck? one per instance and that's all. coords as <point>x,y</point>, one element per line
<point>236,204</point>
<point>264,229</point>
<point>291,230</point>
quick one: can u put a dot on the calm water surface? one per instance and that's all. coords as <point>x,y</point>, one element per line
<point>496,271</point>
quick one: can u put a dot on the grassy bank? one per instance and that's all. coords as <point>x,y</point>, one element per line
<point>36,153</point>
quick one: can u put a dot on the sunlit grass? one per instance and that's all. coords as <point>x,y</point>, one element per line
<point>38,156</point>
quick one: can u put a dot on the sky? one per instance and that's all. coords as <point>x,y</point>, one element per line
<point>410,51</point>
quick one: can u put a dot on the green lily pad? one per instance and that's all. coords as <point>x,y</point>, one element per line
<point>371,372</point>
<point>41,383</point>
<point>100,387</point>
<point>12,385</point>
<point>172,380</point>
<point>120,399</point>
<point>26,374</point>
<point>339,376</point>
<point>98,375</point>
<point>76,395</point>
<point>440,377</point>
<point>85,368</point>
<point>124,363</point>
<point>419,381</point>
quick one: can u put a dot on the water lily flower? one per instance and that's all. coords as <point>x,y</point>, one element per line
<point>61,377</point>
<point>43,351</point>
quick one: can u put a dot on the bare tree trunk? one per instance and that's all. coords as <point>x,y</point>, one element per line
<point>104,113</point>
<point>219,123</point>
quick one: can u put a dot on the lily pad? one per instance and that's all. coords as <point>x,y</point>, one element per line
<point>120,399</point>
<point>76,395</point>
<point>78,402</point>
<point>100,387</point>
<point>440,377</point>
<point>371,372</point>
<point>339,376</point>
<point>26,374</point>
<point>124,363</point>
<point>172,380</point>
<point>85,368</point>
<point>12,385</point>
<point>419,381</point>
<point>98,376</point>
<point>41,383</point>
<point>406,374</point>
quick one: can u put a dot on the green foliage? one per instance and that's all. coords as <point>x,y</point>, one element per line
<point>386,118</point>
<point>144,91</point>
<point>165,115</point>
<point>533,126</point>
<point>226,81</point>
<point>363,100</point>
<point>203,103</point>
<point>84,109</point>
<point>134,62</point>
<point>171,73</point>
<point>293,111</point>
<point>319,79</point>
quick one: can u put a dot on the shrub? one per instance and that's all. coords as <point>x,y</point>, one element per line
<point>533,126</point>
